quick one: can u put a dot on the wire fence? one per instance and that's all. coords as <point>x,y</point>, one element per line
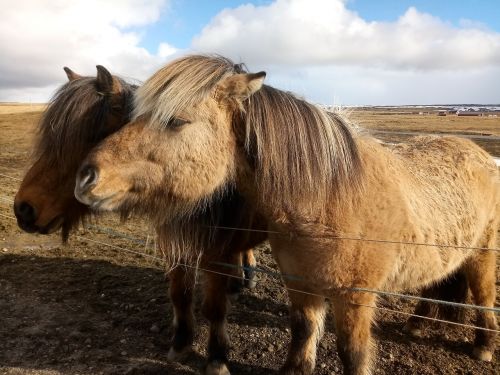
<point>11,177</point>
<point>278,275</point>
<point>345,237</point>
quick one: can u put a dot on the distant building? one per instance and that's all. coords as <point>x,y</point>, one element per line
<point>469,113</point>
<point>441,113</point>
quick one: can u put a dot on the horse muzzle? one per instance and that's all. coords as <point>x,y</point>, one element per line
<point>27,217</point>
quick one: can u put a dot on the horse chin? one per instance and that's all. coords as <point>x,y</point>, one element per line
<point>53,226</point>
<point>29,228</point>
<point>111,203</point>
<point>106,204</point>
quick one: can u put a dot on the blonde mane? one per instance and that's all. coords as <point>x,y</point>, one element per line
<point>181,84</point>
<point>298,149</point>
<point>301,150</point>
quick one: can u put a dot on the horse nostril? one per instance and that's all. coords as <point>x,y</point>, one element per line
<point>88,176</point>
<point>25,212</point>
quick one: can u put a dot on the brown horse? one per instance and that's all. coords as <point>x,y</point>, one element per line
<point>83,112</point>
<point>202,125</point>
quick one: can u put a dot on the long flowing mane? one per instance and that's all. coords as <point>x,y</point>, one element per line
<point>300,150</point>
<point>297,148</point>
<point>74,120</point>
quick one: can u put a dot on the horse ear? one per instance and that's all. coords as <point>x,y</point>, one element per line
<point>71,74</point>
<point>104,80</point>
<point>241,86</point>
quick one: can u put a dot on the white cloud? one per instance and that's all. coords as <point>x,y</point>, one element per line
<point>38,38</point>
<point>321,49</point>
<point>323,32</point>
<point>348,85</point>
<point>166,50</point>
<point>317,48</point>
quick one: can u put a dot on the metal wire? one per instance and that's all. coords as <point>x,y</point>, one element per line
<point>13,178</point>
<point>10,217</point>
<point>424,299</point>
<point>113,232</point>
<point>304,292</point>
<point>362,239</point>
<point>426,317</point>
<point>293,277</point>
<point>279,275</point>
<point>289,289</point>
<point>496,310</point>
<point>160,259</point>
<point>346,238</point>
<point>367,290</point>
<point>401,312</point>
<point>6,200</point>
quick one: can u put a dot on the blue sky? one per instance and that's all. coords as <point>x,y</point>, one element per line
<point>381,52</point>
<point>484,11</point>
<point>183,19</point>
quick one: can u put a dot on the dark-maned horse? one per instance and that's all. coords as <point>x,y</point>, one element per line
<point>205,125</point>
<point>82,113</point>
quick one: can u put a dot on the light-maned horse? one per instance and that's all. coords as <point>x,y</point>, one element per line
<point>82,113</point>
<point>201,125</point>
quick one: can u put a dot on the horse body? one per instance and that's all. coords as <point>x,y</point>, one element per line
<point>433,191</point>
<point>320,186</point>
<point>443,192</point>
<point>411,195</point>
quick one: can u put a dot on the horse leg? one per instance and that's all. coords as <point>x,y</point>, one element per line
<point>249,263</point>
<point>353,327</point>
<point>307,314</point>
<point>182,282</point>
<point>452,289</point>
<point>215,306</point>
<point>481,274</point>
<point>415,325</point>
<point>235,284</point>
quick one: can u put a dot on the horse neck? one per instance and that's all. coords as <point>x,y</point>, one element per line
<point>246,180</point>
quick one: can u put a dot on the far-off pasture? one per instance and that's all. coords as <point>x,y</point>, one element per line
<point>89,308</point>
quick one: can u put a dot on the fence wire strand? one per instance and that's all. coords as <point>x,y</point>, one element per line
<point>110,231</point>
<point>279,275</point>
<point>302,291</point>
<point>11,177</point>
<point>351,238</point>
<point>287,288</point>
<point>333,237</point>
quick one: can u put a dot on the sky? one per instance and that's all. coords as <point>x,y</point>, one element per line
<point>343,52</point>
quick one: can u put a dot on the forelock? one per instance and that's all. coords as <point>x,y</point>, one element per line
<point>181,84</point>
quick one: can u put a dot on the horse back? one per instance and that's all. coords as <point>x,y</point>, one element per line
<point>436,190</point>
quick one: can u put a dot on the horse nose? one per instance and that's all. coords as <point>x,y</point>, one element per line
<point>87,177</point>
<point>25,212</point>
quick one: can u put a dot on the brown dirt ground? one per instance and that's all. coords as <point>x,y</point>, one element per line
<point>86,308</point>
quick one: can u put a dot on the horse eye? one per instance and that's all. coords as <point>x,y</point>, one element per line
<point>177,122</point>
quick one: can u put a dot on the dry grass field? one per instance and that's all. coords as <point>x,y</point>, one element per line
<point>88,308</point>
<point>395,126</point>
<point>406,121</point>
